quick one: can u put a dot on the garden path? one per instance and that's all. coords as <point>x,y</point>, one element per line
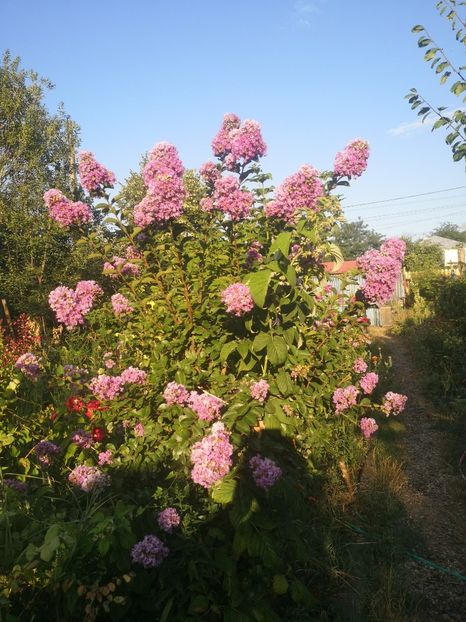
<point>433,497</point>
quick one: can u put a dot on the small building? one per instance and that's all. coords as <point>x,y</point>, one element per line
<point>453,251</point>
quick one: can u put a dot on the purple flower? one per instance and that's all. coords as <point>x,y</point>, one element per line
<point>206,406</point>
<point>259,390</point>
<point>149,552</point>
<point>16,485</point>
<point>28,364</point>
<point>175,394</point>
<point>264,471</point>
<point>368,426</point>
<point>82,439</point>
<point>88,478</point>
<point>46,452</point>
<point>168,519</point>
<point>345,398</point>
<point>369,382</point>
<point>237,299</point>
<point>211,457</point>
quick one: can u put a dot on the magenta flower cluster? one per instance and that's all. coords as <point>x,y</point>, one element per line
<point>88,478</point>
<point>70,306</point>
<point>237,299</point>
<point>209,172</point>
<point>381,270</point>
<point>211,456</point>
<point>259,390</point>
<point>175,394</point>
<point>66,212</point>
<point>121,305</point>
<point>230,199</point>
<point>345,398</point>
<point>368,382</point>
<point>238,142</point>
<point>28,364</point>
<point>163,176</point>
<point>206,406</point>
<point>149,552</point>
<point>168,519</point>
<point>119,266</point>
<point>265,471</point>
<point>368,426</point>
<point>300,191</point>
<point>94,176</point>
<point>394,403</point>
<point>82,439</point>
<point>45,452</point>
<point>352,161</point>
<point>360,366</point>
<point>106,387</point>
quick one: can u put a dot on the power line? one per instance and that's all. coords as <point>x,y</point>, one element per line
<point>408,196</point>
<point>409,214</point>
<point>406,223</point>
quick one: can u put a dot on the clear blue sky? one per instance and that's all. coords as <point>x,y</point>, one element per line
<point>315,73</point>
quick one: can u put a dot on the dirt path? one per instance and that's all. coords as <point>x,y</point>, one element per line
<point>432,497</point>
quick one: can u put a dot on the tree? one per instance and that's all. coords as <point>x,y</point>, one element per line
<point>422,256</point>
<point>37,152</point>
<point>451,231</point>
<point>355,238</point>
<point>453,121</point>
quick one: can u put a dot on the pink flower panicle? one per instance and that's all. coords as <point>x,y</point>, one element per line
<point>253,254</point>
<point>368,382</point>
<point>221,144</point>
<point>120,266</point>
<point>133,375</point>
<point>94,176</point>
<point>209,172</point>
<point>149,552</point>
<point>230,199</point>
<point>238,142</point>
<point>259,390</point>
<point>121,305</point>
<point>237,299</point>
<point>168,519</point>
<point>360,366</point>
<point>301,191</point>
<point>206,406</point>
<point>394,403</point>
<point>211,457</point>
<point>163,178</point>
<point>105,457</point>
<point>138,429</point>
<point>265,471</point>
<point>66,212</point>
<point>344,398</point>
<point>28,364</point>
<point>88,478</point>
<point>381,270</point>
<point>70,306</point>
<point>368,426</point>
<point>175,394</point>
<point>106,387</point>
<point>352,161</point>
<point>45,452</point>
<point>82,439</point>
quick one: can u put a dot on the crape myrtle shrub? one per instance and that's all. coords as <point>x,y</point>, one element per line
<point>164,459</point>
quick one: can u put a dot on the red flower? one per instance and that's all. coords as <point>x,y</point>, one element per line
<point>53,415</point>
<point>75,404</point>
<point>92,407</point>
<point>98,434</point>
<point>363,320</point>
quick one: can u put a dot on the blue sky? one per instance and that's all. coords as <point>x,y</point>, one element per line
<point>314,73</point>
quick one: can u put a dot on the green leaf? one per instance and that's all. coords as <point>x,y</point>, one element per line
<point>258,283</point>
<point>227,349</point>
<point>280,584</point>
<point>284,384</point>
<point>224,490</point>
<point>282,243</point>
<point>417,28</point>
<point>277,350</point>
<point>166,611</point>
<point>261,341</point>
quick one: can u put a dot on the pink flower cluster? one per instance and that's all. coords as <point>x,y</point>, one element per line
<point>45,452</point>
<point>206,406</point>
<point>368,426</point>
<point>360,366</point>
<point>121,305</point>
<point>163,176</point>
<point>237,299</point>
<point>108,387</point>
<point>253,254</point>
<point>259,390</point>
<point>381,270</point>
<point>149,552</point>
<point>82,439</point>
<point>209,172</point>
<point>88,478</point>
<point>175,394</point>
<point>70,306</point>
<point>300,191</point>
<point>28,364</point>
<point>94,176</point>
<point>345,398</point>
<point>394,403</point>
<point>352,161</point>
<point>265,471</point>
<point>238,142</point>
<point>138,429</point>
<point>368,382</point>
<point>168,519</point>
<point>66,212</point>
<point>211,457</point>
<point>230,199</point>
<point>119,266</point>
<point>105,457</point>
